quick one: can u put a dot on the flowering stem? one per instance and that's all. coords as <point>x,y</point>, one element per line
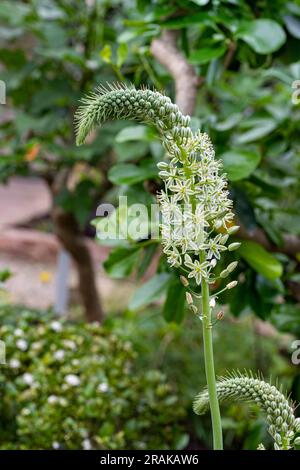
<point>209,365</point>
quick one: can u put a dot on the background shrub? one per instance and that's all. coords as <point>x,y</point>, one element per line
<point>75,386</point>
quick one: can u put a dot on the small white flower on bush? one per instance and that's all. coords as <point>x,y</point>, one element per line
<point>72,379</point>
<point>52,399</point>
<point>19,332</point>
<point>56,326</point>
<point>14,363</point>
<point>28,378</point>
<point>59,354</point>
<point>22,344</point>
<point>55,445</point>
<point>103,387</point>
<point>86,444</point>
<point>68,343</point>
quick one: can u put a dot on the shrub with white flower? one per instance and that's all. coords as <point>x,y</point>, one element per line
<point>85,396</point>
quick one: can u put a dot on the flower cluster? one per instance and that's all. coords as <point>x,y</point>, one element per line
<point>194,205</point>
<point>283,426</point>
<point>195,202</point>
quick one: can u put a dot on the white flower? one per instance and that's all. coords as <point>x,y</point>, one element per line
<point>183,190</point>
<point>28,378</point>
<point>52,399</point>
<point>103,387</point>
<point>55,445</point>
<point>19,332</point>
<point>68,343</point>
<point>86,444</point>
<point>214,247</point>
<point>72,379</point>
<point>59,354</point>
<point>25,411</point>
<point>174,257</point>
<point>56,326</point>
<point>198,270</point>
<point>212,302</point>
<point>14,363</point>
<point>22,344</point>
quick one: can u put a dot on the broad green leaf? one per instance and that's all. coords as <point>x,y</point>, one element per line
<point>285,317</point>
<point>200,2</point>
<point>121,261</point>
<point>131,150</point>
<point>175,302</point>
<point>239,164</point>
<point>105,53</point>
<point>264,36</point>
<point>292,25</point>
<point>122,53</point>
<point>131,174</point>
<point>206,54</point>
<point>180,22</point>
<point>133,133</point>
<point>257,129</point>
<point>150,291</point>
<point>261,260</point>
<point>231,121</point>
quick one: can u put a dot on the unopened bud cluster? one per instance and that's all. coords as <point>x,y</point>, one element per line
<point>283,425</point>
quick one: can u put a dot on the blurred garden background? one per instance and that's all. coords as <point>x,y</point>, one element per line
<point>101,350</point>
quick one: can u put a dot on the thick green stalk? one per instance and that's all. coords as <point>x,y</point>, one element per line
<point>209,366</point>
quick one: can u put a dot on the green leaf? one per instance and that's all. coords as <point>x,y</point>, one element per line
<point>264,36</point>
<point>133,133</point>
<point>239,164</point>
<point>105,54</point>
<point>173,310</point>
<point>292,25</point>
<point>150,291</point>
<point>257,129</point>
<point>178,23</point>
<point>5,274</point>
<point>131,174</point>
<point>122,53</point>
<point>206,54</point>
<point>121,261</point>
<point>261,260</point>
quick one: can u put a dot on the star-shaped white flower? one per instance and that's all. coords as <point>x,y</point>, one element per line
<point>198,270</point>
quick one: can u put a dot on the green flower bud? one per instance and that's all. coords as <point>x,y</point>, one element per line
<point>184,281</point>
<point>231,285</point>
<point>231,267</point>
<point>224,273</point>
<point>234,246</point>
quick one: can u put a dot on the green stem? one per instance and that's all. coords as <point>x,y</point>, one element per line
<point>209,366</point>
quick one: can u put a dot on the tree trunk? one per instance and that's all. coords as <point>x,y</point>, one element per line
<point>68,232</point>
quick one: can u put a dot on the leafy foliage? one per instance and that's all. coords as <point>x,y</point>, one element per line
<point>74,386</point>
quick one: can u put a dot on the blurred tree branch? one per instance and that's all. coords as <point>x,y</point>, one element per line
<point>165,50</point>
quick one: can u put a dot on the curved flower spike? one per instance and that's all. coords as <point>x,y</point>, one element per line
<point>283,425</point>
